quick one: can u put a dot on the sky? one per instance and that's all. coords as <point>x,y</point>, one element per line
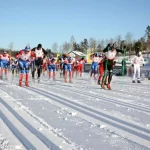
<point>49,21</point>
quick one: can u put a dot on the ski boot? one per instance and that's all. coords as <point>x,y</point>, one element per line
<point>103,86</point>
<point>70,81</point>
<point>65,80</point>
<point>27,83</point>
<point>133,81</point>
<point>109,87</point>
<point>20,83</point>
<point>38,79</point>
<point>138,81</point>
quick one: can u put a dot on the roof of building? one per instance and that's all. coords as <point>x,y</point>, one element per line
<point>78,53</point>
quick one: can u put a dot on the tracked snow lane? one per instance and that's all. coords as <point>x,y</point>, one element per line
<point>55,114</point>
<point>132,131</point>
<point>31,138</point>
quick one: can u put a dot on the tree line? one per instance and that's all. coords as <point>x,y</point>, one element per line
<point>94,45</point>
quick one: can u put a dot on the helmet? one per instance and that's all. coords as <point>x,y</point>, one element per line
<point>53,59</point>
<point>138,52</point>
<point>59,57</point>
<point>95,54</point>
<point>4,51</point>
<point>109,45</point>
<point>27,48</point>
<point>51,56</point>
<point>70,58</point>
<point>39,46</point>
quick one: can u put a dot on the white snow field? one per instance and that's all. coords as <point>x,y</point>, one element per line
<point>53,115</point>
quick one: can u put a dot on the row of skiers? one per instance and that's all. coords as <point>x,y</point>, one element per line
<point>36,59</point>
<point>24,58</point>
<point>107,62</point>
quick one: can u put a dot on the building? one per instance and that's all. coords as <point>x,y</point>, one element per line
<point>77,54</point>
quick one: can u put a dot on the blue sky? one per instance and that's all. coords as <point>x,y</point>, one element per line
<point>49,21</point>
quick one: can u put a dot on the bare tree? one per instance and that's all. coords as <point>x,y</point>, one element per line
<point>143,43</point>
<point>11,47</point>
<point>55,47</point>
<point>147,31</point>
<point>72,41</point>
<point>118,41</point>
<point>111,40</point>
<point>66,47</point>
<point>99,48</point>
<point>129,39</point>
<point>92,44</point>
<point>100,45</point>
<point>60,49</point>
<point>84,46</point>
<point>106,42</point>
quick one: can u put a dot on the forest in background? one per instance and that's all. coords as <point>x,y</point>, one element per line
<point>97,45</point>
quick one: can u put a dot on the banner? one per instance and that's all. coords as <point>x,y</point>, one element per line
<point>89,60</point>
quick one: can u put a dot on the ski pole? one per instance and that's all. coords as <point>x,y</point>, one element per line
<point>123,65</point>
<point>105,72</point>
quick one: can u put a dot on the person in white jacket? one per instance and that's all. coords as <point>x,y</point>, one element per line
<point>136,62</point>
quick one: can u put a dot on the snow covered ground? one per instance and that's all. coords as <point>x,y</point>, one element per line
<point>79,116</point>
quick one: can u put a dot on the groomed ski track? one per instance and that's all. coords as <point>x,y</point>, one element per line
<point>116,119</point>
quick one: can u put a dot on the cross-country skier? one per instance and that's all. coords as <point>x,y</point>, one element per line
<point>52,67</point>
<point>14,67</point>
<point>60,62</point>
<point>80,66</point>
<point>4,63</point>
<point>24,57</point>
<point>94,66</point>
<point>40,54</point>
<point>44,66</point>
<point>110,54</point>
<point>75,67</point>
<point>68,61</point>
<point>137,61</point>
<point>101,67</point>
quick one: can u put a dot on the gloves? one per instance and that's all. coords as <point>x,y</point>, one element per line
<point>143,64</point>
<point>132,65</point>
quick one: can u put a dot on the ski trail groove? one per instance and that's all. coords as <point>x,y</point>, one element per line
<point>141,133</point>
<point>27,144</point>
<point>38,135</point>
<point>105,99</point>
<point>88,108</point>
<point>121,85</point>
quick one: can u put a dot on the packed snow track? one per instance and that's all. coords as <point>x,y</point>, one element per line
<point>75,116</point>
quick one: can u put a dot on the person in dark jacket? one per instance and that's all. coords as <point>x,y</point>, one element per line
<point>40,54</point>
<point>110,54</point>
